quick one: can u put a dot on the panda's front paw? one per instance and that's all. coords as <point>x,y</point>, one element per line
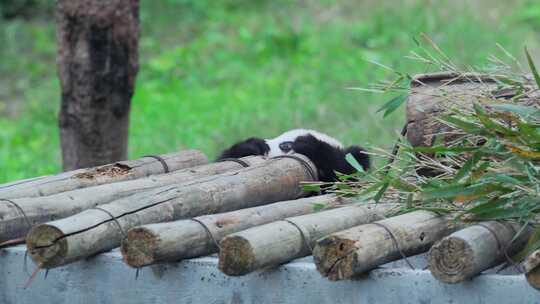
<point>307,145</point>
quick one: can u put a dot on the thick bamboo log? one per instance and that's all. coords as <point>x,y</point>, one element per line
<point>468,252</point>
<point>18,215</point>
<point>173,241</point>
<point>531,266</point>
<point>435,94</point>
<point>352,252</point>
<point>116,172</point>
<point>95,230</point>
<point>282,241</point>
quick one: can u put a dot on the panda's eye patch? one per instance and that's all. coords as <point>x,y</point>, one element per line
<point>286,146</point>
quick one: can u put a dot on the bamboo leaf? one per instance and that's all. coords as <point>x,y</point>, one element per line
<point>467,166</point>
<point>442,149</point>
<point>392,105</point>
<point>532,244</point>
<point>381,192</point>
<point>466,126</point>
<point>525,111</point>
<point>532,67</point>
<point>353,162</point>
<point>463,191</point>
<point>490,205</point>
<point>523,153</point>
<point>318,207</point>
<point>311,187</point>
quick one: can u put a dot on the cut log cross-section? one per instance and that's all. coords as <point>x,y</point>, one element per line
<point>351,252</point>
<point>92,231</point>
<point>531,266</point>
<point>282,241</point>
<point>468,252</point>
<point>173,241</point>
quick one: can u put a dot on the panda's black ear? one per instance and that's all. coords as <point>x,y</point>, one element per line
<point>360,155</point>
<point>250,146</point>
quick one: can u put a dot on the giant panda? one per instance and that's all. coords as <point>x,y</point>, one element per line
<point>326,153</point>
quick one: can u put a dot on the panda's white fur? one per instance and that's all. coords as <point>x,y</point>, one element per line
<point>292,135</point>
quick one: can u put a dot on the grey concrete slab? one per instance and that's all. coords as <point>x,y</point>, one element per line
<point>106,279</point>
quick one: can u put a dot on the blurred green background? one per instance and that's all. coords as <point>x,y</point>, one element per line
<point>213,72</point>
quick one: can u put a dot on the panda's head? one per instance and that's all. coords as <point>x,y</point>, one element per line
<point>284,143</point>
<point>326,152</point>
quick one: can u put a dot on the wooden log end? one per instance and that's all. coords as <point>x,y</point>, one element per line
<point>451,260</point>
<point>333,257</point>
<point>236,256</point>
<point>533,278</point>
<point>138,247</point>
<point>531,265</point>
<point>46,245</point>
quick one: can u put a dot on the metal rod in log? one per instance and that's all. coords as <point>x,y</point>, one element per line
<point>116,172</point>
<point>468,252</point>
<point>173,241</point>
<point>18,215</point>
<point>282,241</point>
<point>351,252</point>
<point>531,267</point>
<point>100,229</point>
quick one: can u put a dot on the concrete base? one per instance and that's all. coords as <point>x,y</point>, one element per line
<point>106,279</point>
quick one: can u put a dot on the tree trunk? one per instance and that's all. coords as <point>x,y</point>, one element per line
<point>97,66</point>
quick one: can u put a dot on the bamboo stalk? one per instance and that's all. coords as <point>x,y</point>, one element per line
<point>49,208</point>
<point>531,266</point>
<point>92,231</point>
<point>116,172</point>
<point>282,241</point>
<point>351,252</point>
<point>173,241</point>
<point>468,252</point>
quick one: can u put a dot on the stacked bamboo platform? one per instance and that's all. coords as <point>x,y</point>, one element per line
<point>252,212</point>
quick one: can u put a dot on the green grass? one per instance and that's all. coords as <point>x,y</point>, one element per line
<point>214,72</point>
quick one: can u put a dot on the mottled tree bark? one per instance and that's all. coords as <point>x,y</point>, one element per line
<point>97,66</point>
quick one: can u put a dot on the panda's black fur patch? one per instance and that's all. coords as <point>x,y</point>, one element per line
<point>329,159</point>
<point>326,157</point>
<point>248,147</point>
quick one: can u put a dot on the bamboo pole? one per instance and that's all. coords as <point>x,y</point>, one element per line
<point>95,230</point>
<point>116,172</point>
<point>468,252</point>
<point>531,266</point>
<point>282,241</point>
<point>35,210</point>
<point>351,252</point>
<point>173,241</point>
